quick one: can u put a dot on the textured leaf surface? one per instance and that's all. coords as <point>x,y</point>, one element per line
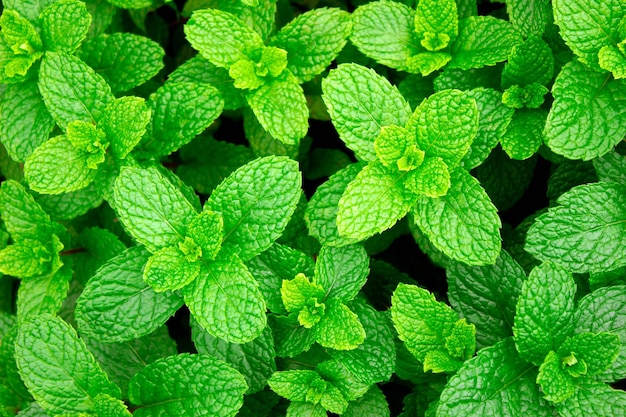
<point>225,300</point>
<point>44,294</point>
<point>435,19</point>
<point>586,119</point>
<point>587,26</point>
<point>384,31</point>
<point>25,122</point>
<point>524,135</point>
<point>312,40</point>
<point>360,102</point>
<point>57,368</point>
<point>543,316</point>
<point>254,360</point>
<point>199,385</point>
<point>321,212</point>
<point>221,37</point>
<point>340,328</point>
<point>529,62</point>
<point>486,296</point>
<point>493,383</point>
<point>593,398</point>
<point>72,90</point>
<point>110,56</point>
<point>483,41</point>
<point>168,269</point>
<point>582,233</point>
<point>373,202</point>
<point>151,208</point>
<point>530,17</point>
<point>22,216</point>
<point>118,305</point>
<point>256,203</point>
<point>604,310</point>
<point>342,271</point>
<point>125,123</point>
<point>463,224</point>
<point>280,107</point>
<point>372,404</point>
<point>64,25</point>
<point>57,167</point>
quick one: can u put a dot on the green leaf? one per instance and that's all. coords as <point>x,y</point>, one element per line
<point>431,179</point>
<point>226,301</point>
<point>299,291</point>
<point>72,90</point>
<point>151,208</point>
<point>492,383</point>
<point>385,32</point>
<point>360,102</point>
<point>280,106</point>
<point>57,167</point>
<point>372,404</point>
<point>111,56</point>
<point>313,40</point>
<point>529,62</point>
<point>483,41</point>
<point>445,124</point>
<point>131,4</point>
<point>57,368</point>
<point>604,310</point>
<point>426,325</point>
<point>544,312</point>
<point>557,385</point>
<point>23,217</point>
<point>107,406</point>
<point>290,338</point>
<point>64,25</point>
<point>19,34</point>
<point>221,37</point>
<point>206,230</point>
<point>124,123</point>
<point>169,269</point>
<point>122,360</point>
<point>596,399</point>
<point>435,19</point>
<point>339,328</point>
<point>486,296</point>
<point>524,135</point>
<point>342,271</point>
<point>256,202</point>
<point>24,120</point>
<point>254,360</point>
<point>28,8</point>
<point>586,119</point>
<point>613,59</point>
<point>321,212</point>
<point>529,17</point>
<point>587,26</point>
<point>598,351</point>
<point>583,231</point>
<point>199,385</point>
<point>373,202</point>
<point>180,112</point>
<point>131,307</point>
<point>463,224</point>
<point>44,294</point>
<point>27,258</point>
<point>306,409</point>
<point>294,385</point>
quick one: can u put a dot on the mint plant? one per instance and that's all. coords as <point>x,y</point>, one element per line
<point>290,208</point>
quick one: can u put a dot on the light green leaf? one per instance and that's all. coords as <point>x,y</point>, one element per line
<point>151,208</point>
<point>297,409</point>
<point>226,301</point>
<point>124,123</point>
<point>221,37</point>
<point>27,258</point>
<point>483,41</point>
<point>280,107</point>
<point>64,25</point>
<point>597,351</point>
<point>313,40</point>
<point>445,124</point>
<point>124,60</point>
<point>594,399</point>
<point>254,360</point>
<point>463,224</point>
<point>586,119</point>
<point>436,20</point>
<point>557,385</point>
<point>169,269</point>
<point>529,62</point>
<point>58,167</point>
<point>295,385</point>
<point>57,368</point>
<point>206,230</point>
<point>256,203</point>
<point>72,90</point>
<point>611,167</point>
<point>131,307</point>
<point>22,216</point>
<point>385,32</point>
<point>582,233</point>
<point>612,59</point>
<point>431,179</point>
<point>373,202</point>
<point>107,406</point>
<point>544,313</point>
<point>342,271</point>
<point>360,102</point>
<point>19,34</point>
<point>298,292</point>
<point>198,385</point>
<point>492,383</point>
<point>372,404</point>
<point>587,26</point>
<point>524,135</point>
<point>339,328</point>
<point>44,294</point>
<point>24,120</point>
<point>486,296</point>
<point>180,112</point>
<point>30,9</point>
<point>529,17</point>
